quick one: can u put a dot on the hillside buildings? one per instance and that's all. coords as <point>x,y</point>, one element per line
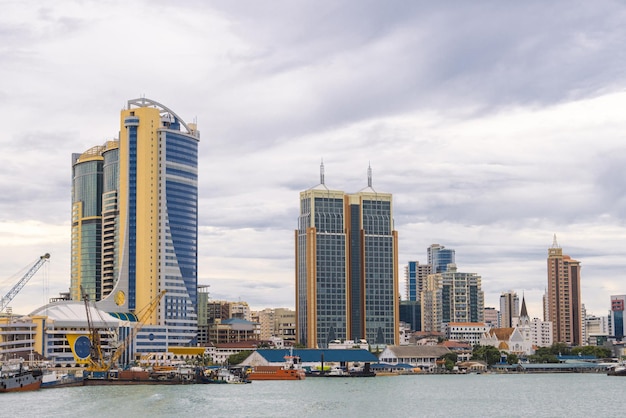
<point>135,222</point>
<point>346,267</point>
<point>564,304</point>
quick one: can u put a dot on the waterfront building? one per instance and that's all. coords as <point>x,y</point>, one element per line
<point>564,298</point>
<point>618,326</point>
<point>452,296</point>
<point>135,223</point>
<point>17,336</point>
<point>462,349</point>
<point>346,267</point>
<point>423,356</point>
<point>510,340</point>
<point>492,317</point>
<point>509,309</point>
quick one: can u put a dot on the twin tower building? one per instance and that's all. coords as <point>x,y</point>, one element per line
<point>135,234</point>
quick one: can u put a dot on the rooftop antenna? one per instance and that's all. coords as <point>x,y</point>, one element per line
<point>369,175</point>
<point>554,243</point>
<point>322,172</point>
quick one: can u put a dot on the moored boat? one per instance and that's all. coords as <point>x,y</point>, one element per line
<point>617,370</point>
<point>292,370</point>
<point>15,377</point>
<point>52,380</point>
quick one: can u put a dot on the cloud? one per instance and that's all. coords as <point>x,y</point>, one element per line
<point>494,127</point>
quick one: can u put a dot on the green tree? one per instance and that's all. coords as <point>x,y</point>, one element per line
<point>487,353</point>
<point>512,359</point>
<point>239,357</point>
<point>450,359</point>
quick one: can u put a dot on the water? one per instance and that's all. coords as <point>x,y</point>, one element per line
<point>485,395</point>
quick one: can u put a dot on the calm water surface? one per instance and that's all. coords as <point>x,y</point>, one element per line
<point>485,395</point>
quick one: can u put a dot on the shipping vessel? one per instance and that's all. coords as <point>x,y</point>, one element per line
<point>15,377</point>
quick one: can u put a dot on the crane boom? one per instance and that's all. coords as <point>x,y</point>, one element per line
<point>22,282</point>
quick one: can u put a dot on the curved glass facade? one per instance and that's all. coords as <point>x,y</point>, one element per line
<point>86,257</point>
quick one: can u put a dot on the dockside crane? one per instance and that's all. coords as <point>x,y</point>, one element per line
<point>4,302</point>
<point>97,362</point>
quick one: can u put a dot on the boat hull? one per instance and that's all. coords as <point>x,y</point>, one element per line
<point>20,383</point>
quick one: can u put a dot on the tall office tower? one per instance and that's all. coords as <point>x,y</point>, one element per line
<point>618,326</point>
<point>346,267</point>
<point>142,196</point>
<point>415,276</point>
<point>439,257</point>
<point>509,309</point>
<point>564,299</point>
<point>86,251</point>
<point>452,296</point>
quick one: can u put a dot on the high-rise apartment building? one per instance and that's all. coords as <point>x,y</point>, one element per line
<point>564,307</point>
<point>509,309</point>
<point>135,221</point>
<point>415,275</point>
<point>452,296</point>
<point>346,267</point>
<point>618,326</point>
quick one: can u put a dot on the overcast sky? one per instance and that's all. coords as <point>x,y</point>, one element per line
<point>495,125</point>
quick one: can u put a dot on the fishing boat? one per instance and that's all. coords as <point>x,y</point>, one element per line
<point>15,377</point>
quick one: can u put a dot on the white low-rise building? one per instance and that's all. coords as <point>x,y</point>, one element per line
<point>422,356</point>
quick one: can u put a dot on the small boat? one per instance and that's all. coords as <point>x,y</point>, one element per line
<point>618,370</point>
<point>15,377</point>
<point>52,380</point>
<point>224,376</point>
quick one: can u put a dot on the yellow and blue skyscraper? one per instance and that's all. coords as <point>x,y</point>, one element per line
<point>135,222</point>
<point>346,267</point>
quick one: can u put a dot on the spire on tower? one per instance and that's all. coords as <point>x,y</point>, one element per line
<point>322,172</point>
<point>523,311</point>
<point>554,243</point>
<point>369,175</point>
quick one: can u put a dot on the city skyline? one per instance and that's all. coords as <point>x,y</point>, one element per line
<point>492,137</point>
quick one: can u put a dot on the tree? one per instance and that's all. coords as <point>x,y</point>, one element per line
<point>487,353</point>
<point>239,357</point>
<point>512,359</point>
<point>450,359</point>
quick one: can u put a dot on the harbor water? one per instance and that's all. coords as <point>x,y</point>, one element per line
<point>483,395</point>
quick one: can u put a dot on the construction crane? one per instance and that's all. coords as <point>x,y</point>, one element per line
<point>97,362</point>
<point>20,284</point>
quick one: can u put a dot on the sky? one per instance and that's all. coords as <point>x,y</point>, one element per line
<point>495,125</point>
